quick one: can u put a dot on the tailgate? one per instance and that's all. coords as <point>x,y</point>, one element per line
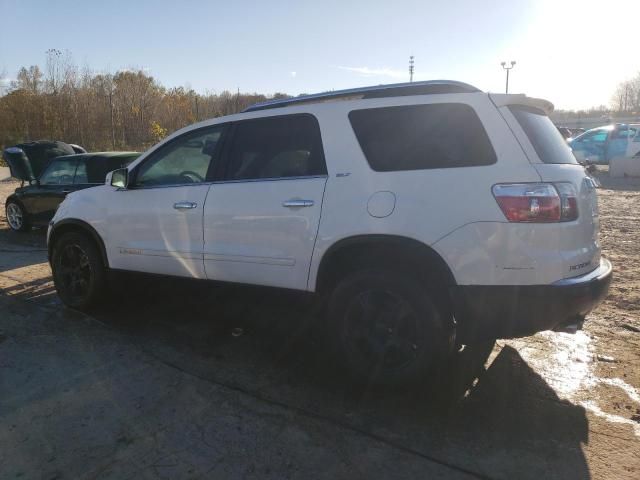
<point>577,240</point>
<point>19,164</point>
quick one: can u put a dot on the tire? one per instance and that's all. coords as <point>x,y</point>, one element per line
<point>78,272</point>
<point>17,217</point>
<point>386,329</point>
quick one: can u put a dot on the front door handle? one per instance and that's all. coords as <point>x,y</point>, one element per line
<point>185,205</point>
<point>297,203</point>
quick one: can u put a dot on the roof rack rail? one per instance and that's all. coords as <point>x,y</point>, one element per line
<point>379,91</point>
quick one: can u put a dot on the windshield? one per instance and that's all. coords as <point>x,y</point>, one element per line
<point>543,135</point>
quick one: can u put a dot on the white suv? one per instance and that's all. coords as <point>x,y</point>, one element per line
<point>420,212</point>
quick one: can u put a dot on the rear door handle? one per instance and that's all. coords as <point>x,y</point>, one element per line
<point>297,203</point>
<point>185,205</point>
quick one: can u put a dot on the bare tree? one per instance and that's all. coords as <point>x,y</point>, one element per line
<point>125,110</point>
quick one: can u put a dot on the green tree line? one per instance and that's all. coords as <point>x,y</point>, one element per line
<point>126,110</point>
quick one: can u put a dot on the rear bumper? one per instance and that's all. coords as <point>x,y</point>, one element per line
<point>498,311</point>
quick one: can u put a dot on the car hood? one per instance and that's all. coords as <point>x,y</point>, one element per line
<point>28,160</point>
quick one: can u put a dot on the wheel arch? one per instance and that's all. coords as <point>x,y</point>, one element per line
<point>382,250</point>
<point>75,225</point>
<point>15,198</point>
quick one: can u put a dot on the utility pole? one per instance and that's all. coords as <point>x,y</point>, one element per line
<point>504,66</point>
<point>113,132</point>
<point>411,68</point>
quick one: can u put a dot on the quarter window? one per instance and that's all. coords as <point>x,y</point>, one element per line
<point>60,172</point>
<point>276,147</point>
<point>549,145</point>
<point>418,137</point>
<point>183,161</point>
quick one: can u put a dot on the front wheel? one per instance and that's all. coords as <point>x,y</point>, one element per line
<point>386,329</point>
<point>17,217</point>
<point>78,272</point>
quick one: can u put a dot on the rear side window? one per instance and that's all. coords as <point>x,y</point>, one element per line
<point>543,135</point>
<point>418,137</point>
<point>276,147</point>
<point>121,161</point>
<point>94,169</point>
<point>623,133</point>
<point>91,170</point>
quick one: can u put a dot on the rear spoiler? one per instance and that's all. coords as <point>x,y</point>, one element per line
<point>504,100</point>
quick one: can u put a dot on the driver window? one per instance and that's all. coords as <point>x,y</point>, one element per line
<point>60,172</point>
<point>599,137</point>
<point>183,161</point>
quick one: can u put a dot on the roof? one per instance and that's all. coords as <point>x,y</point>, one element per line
<point>378,91</point>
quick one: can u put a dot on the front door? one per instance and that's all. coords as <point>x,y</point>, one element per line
<point>261,219</point>
<point>54,184</point>
<point>155,225</point>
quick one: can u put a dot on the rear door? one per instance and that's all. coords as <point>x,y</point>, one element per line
<point>92,169</point>
<point>619,140</point>
<point>577,240</point>
<point>261,219</point>
<point>89,172</point>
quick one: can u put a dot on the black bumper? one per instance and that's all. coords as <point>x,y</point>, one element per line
<point>496,311</point>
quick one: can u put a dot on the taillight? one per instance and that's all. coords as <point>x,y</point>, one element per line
<point>537,202</point>
<point>568,201</point>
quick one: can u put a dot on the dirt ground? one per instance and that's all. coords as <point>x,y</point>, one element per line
<point>185,380</point>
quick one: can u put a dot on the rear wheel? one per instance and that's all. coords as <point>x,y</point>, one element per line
<point>17,217</point>
<point>78,273</point>
<point>385,328</point>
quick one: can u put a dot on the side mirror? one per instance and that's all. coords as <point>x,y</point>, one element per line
<point>118,178</point>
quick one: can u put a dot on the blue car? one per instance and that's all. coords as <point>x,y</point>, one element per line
<point>599,145</point>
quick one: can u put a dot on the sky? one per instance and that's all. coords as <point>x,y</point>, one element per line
<point>571,52</point>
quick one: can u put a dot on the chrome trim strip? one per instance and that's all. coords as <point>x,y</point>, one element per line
<point>283,262</point>
<point>217,182</point>
<point>603,270</point>
<point>159,253</point>
<point>276,179</point>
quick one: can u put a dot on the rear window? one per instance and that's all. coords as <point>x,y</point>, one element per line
<point>543,135</point>
<point>419,137</point>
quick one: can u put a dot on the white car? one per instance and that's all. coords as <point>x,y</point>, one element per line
<point>419,213</point>
<point>627,164</point>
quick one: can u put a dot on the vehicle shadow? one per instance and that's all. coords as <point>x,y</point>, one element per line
<point>488,413</point>
<point>19,250</point>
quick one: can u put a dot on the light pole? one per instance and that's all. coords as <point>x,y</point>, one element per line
<point>411,68</point>
<point>504,65</point>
